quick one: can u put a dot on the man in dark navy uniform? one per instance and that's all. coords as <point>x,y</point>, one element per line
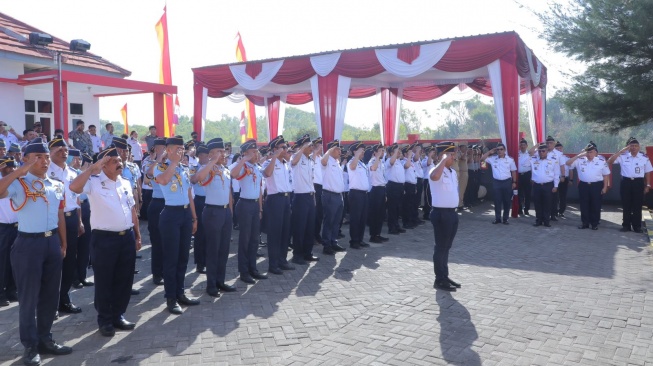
<point>39,249</point>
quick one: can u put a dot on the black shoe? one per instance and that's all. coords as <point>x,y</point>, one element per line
<point>547,224</point>
<point>287,267</point>
<point>506,222</point>
<point>52,348</point>
<point>137,271</point>
<point>173,307</point>
<point>355,246</point>
<point>638,231</point>
<point>526,213</point>
<point>135,292</point>
<point>454,283</point>
<point>123,324</point>
<point>236,227</point>
<point>595,227</point>
<point>420,222</point>
<point>624,229</point>
<point>328,251</point>
<point>401,230</point>
<point>259,254</point>
<point>12,296</point>
<point>262,243</point>
<point>496,222</point>
<point>56,315</point>
<point>338,248</point>
<point>31,356</point>
<point>139,256</point>
<point>410,226</point>
<point>393,232</point>
<point>553,218</point>
<point>78,285</point>
<point>364,244</point>
<point>444,285</point>
<point>258,275</point>
<point>107,330</point>
<point>298,260</point>
<point>226,288</point>
<point>247,279</point>
<point>4,301</point>
<point>384,238</point>
<point>341,235</point>
<point>583,227</point>
<point>87,283</point>
<point>157,280</point>
<point>184,300</point>
<point>311,258</point>
<point>69,308</point>
<point>213,292</point>
<point>275,271</point>
<point>200,269</point>
<point>561,215</point>
<point>536,224</point>
<point>376,239</point>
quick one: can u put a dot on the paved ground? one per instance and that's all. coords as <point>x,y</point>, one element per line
<point>530,296</point>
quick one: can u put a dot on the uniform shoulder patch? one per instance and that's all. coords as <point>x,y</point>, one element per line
<point>162,167</point>
<point>601,158</point>
<point>644,155</point>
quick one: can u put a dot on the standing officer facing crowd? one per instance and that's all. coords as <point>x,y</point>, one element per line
<point>635,183</point>
<point>303,203</point>
<point>525,176</point>
<point>505,181</point>
<point>115,237</point>
<point>39,249</point>
<point>593,174</point>
<point>545,182</point>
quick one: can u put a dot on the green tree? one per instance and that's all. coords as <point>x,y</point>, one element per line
<point>613,38</point>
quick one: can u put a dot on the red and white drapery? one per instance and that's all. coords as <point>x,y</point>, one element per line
<point>415,72</point>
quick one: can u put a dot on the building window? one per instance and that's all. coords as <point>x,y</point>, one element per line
<point>30,106</point>
<point>45,107</point>
<point>76,109</point>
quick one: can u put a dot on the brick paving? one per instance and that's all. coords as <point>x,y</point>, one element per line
<point>530,296</point>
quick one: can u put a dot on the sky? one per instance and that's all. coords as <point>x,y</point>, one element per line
<point>202,32</point>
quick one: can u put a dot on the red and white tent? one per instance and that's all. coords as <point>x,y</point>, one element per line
<point>418,71</point>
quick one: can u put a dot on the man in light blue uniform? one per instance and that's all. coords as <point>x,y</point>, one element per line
<point>199,243</point>
<point>215,180</point>
<point>154,209</point>
<point>177,223</point>
<point>249,210</point>
<point>8,232</point>
<point>38,251</point>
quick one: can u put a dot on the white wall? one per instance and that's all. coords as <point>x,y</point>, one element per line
<point>91,106</point>
<point>12,103</point>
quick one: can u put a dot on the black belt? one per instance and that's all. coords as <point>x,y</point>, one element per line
<point>157,198</point>
<point>445,208</point>
<point>182,207</point>
<point>543,183</point>
<point>215,206</point>
<point>2,224</point>
<point>111,233</point>
<point>394,182</point>
<point>46,234</point>
<point>502,180</point>
<point>70,213</point>
<point>328,191</point>
<point>357,190</point>
<point>248,199</point>
<point>590,183</point>
<point>629,178</point>
<point>299,194</point>
<point>285,194</point>
<point>524,173</point>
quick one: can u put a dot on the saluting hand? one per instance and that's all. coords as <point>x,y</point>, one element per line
<point>97,167</point>
<point>31,160</point>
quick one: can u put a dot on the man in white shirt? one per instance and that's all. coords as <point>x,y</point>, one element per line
<point>359,185</point>
<point>504,173</point>
<point>9,136</point>
<point>95,139</point>
<point>593,177</point>
<point>107,137</point>
<point>560,206</point>
<point>137,150</point>
<point>443,183</point>
<point>525,174</point>
<point>317,183</point>
<point>303,203</point>
<point>396,176</point>
<point>377,194</point>
<point>333,185</point>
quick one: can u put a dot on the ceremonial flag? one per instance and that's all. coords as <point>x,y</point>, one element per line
<point>175,117</point>
<point>241,56</point>
<point>165,72</point>
<point>243,130</point>
<point>123,111</point>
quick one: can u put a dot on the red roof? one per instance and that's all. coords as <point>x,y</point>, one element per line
<point>13,45</point>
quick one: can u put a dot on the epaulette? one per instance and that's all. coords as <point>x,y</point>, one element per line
<point>162,167</point>
<point>644,155</point>
<point>95,176</point>
<point>601,157</point>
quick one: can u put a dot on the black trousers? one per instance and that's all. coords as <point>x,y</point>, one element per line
<point>395,192</point>
<point>418,197</point>
<point>84,243</point>
<point>563,188</point>
<point>176,227</point>
<point>555,202</point>
<point>277,210</point>
<point>154,213</point>
<point>524,189</point>
<point>502,198</point>
<point>199,244</point>
<point>357,215</point>
<point>426,208</point>
<point>147,198</point>
<point>319,212</point>
<point>542,200</point>
<point>218,238</point>
<point>409,212</point>
<point>8,234</point>
<point>445,226</point>
<point>632,198</point>
<point>376,211</point>
<point>113,266</point>
<point>248,235</point>
<point>333,206</point>
<point>302,220</point>
<point>36,263</point>
<point>69,266</point>
<point>590,202</point>
<point>236,197</point>
<point>345,209</point>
